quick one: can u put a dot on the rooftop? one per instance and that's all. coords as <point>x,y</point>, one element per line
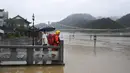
<point>1,10</point>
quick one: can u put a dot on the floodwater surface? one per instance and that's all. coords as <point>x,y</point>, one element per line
<point>112,56</point>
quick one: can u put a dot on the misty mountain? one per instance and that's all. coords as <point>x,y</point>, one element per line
<point>104,23</point>
<point>78,20</point>
<point>41,25</point>
<point>88,21</point>
<point>59,26</point>
<point>114,18</point>
<point>99,17</point>
<point>125,20</point>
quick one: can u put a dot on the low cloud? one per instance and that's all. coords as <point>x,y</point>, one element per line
<point>55,10</point>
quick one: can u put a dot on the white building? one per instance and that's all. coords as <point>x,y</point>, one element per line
<point>1,33</point>
<point>3,17</point>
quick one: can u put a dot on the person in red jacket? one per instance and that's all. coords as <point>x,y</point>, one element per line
<point>56,40</point>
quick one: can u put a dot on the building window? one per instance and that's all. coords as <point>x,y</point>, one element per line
<point>25,25</point>
<point>18,25</point>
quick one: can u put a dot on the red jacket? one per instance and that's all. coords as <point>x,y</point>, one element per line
<point>56,42</point>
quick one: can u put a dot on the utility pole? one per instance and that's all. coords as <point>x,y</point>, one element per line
<point>33,18</point>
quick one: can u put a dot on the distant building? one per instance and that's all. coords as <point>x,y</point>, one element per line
<point>1,33</point>
<point>18,22</point>
<point>3,17</point>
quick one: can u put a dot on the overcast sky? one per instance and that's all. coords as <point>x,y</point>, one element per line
<point>55,10</point>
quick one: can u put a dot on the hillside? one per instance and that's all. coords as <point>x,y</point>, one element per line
<point>104,23</point>
<point>125,20</point>
<point>78,20</point>
<point>88,21</point>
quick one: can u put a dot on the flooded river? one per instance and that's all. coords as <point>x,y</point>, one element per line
<point>112,56</point>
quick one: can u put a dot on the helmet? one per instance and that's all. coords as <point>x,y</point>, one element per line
<point>57,31</point>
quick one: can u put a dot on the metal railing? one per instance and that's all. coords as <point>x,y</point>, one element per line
<point>29,58</point>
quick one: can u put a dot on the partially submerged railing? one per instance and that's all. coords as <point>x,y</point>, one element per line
<point>12,53</point>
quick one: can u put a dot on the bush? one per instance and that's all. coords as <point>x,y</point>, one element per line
<point>10,35</point>
<point>13,35</point>
<point>17,35</point>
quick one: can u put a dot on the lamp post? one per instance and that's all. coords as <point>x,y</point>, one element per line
<point>33,18</point>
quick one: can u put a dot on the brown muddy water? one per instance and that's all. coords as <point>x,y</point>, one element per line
<point>112,56</point>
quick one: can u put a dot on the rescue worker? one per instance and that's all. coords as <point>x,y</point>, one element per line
<point>57,39</point>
